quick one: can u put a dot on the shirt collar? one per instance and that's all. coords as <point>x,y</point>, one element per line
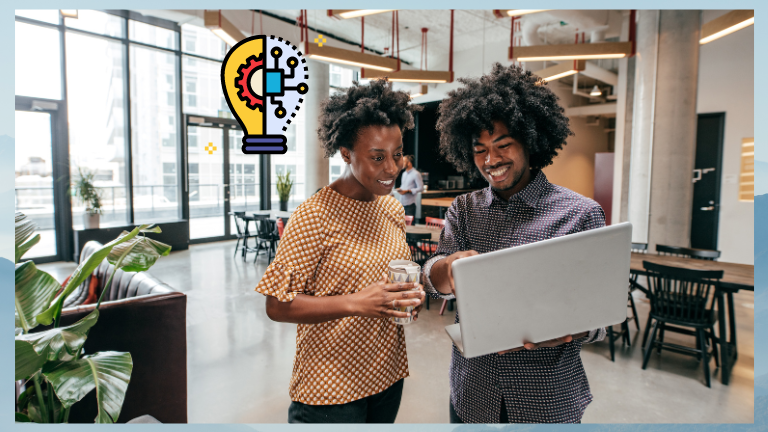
<point>529,195</point>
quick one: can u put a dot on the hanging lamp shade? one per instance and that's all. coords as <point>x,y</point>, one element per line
<point>722,26</point>
<point>222,27</point>
<point>584,51</point>
<point>355,13</point>
<point>561,70</point>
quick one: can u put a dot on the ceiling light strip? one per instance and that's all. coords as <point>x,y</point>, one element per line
<point>724,25</point>
<point>355,13</point>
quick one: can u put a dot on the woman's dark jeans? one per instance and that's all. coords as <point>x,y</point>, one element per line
<point>379,408</point>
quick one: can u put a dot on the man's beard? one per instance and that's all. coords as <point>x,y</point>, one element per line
<point>517,176</point>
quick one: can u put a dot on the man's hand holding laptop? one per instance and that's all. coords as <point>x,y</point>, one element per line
<point>442,279</point>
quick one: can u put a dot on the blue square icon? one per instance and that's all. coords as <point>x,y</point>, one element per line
<point>274,82</point>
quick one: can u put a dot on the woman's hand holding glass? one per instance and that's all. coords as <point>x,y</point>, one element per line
<point>381,298</point>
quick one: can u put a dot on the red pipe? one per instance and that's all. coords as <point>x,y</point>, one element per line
<point>512,40</point>
<point>362,34</point>
<point>450,54</point>
<point>397,26</point>
<point>392,52</point>
<point>424,49</point>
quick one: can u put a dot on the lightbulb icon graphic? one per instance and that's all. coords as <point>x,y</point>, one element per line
<point>264,81</point>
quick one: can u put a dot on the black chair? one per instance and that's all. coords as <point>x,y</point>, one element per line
<point>420,244</point>
<point>633,285</point>
<point>267,236</point>
<point>702,254</point>
<point>682,298</point>
<point>623,334</point>
<point>242,233</point>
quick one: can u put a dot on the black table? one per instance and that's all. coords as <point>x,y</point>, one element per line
<point>735,277</point>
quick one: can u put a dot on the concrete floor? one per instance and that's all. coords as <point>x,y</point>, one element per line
<point>240,362</point>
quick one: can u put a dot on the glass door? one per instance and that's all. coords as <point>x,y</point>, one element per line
<point>207,190</point>
<point>34,185</point>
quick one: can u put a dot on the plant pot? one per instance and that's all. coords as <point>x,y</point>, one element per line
<point>91,220</point>
<point>283,205</point>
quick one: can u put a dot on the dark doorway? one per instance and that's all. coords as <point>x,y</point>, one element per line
<point>706,180</point>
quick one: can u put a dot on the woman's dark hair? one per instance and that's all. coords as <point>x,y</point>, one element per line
<point>410,158</point>
<point>513,96</point>
<point>345,114</point>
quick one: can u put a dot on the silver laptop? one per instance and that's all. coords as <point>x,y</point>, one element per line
<point>541,291</point>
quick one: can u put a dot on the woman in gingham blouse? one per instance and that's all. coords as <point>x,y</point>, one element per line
<point>329,274</point>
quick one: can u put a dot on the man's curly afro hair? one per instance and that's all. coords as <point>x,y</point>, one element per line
<point>513,96</point>
<point>345,114</point>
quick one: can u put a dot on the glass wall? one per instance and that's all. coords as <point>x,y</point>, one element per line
<point>154,137</point>
<point>292,161</point>
<point>341,78</point>
<point>129,79</point>
<point>33,77</point>
<point>97,123</point>
<point>34,177</point>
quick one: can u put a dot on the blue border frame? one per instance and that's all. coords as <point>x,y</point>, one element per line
<point>7,204</point>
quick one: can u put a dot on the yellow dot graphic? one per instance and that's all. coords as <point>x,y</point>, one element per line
<point>320,40</point>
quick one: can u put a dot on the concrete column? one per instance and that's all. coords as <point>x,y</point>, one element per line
<point>623,137</point>
<point>664,127</point>
<point>316,165</point>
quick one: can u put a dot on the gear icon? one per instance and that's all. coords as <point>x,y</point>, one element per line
<point>246,94</point>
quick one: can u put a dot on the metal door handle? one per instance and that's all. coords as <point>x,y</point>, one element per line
<point>696,175</point>
<point>710,208</point>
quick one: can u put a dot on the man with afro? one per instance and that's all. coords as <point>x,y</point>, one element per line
<point>506,126</point>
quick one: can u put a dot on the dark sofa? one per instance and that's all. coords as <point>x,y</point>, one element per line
<point>147,318</point>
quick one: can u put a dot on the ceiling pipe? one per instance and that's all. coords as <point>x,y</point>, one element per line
<point>586,20</point>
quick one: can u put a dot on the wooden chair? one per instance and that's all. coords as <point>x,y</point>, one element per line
<point>409,220</point>
<point>682,298</point>
<point>435,223</point>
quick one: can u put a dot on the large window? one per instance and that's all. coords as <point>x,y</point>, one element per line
<point>292,161</point>
<point>154,139</point>
<point>202,88</point>
<point>38,72</point>
<point>97,122</point>
<point>341,78</point>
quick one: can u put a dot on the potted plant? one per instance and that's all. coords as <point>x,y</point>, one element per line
<point>284,185</point>
<point>51,363</point>
<point>84,189</point>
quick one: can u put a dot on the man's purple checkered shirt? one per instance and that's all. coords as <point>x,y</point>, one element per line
<point>547,385</point>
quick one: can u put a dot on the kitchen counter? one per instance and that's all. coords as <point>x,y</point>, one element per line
<point>434,193</point>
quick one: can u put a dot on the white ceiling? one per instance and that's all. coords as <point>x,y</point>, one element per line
<point>472,29</point>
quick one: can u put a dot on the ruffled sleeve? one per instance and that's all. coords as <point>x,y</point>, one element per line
<point>298,254</point>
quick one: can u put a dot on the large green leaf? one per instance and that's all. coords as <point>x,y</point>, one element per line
<point>142,253</point>
<point>28,362</point>
<point>81,273</point>
<point>108,372</point>
<point>58,343</point>
<point>34,291</point>
<point>22,249</point>
<point>24,228</point>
